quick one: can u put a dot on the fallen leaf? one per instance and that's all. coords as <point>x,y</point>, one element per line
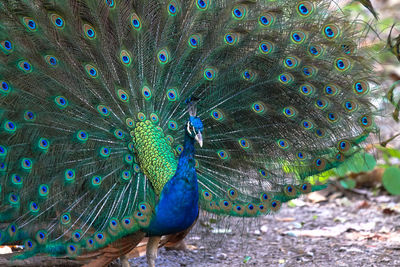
<point>316,197</point>
<point>389,211</point>
<point>332,231</point>
<point>285,219</point>
<point>364,205</point>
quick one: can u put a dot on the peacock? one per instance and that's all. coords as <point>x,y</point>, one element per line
<point>123,119</point>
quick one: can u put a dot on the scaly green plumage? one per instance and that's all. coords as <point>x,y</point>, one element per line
<point>96,97</point>
<point>154,154</point>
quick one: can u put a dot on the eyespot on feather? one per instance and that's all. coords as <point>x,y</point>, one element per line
<point>366,121</point>
<point>275,205</point>
<point>331,31</point>
<point>340,157</point>
<point>244,143</point>
<point>206,195</point>
<point>103,110</point>
<point>333,117</point>
<point>306,89</point>
<point>238,209</point>
<point>283,144</point>
<point>110,3</point>
<point>289,112</point>
<point>305,188</point>
<point>30,24</point>
<point>321,133</point>
<point>226,205</point>
<point>291,62</point>
<point>266,19</point>
<point>231,38</point>
<point>286,78</point>
<point>348,47</point>
<point>309,71</point>
<point>210,74</point>
<point>305,8</point>
<point>91,71</point>
<point>321,103</point>
<point>51,60</point>
<point>263,173</point>
<point>290,190</point>
<point>248,75</point>
<point>239,12</point>
<point>232,193</point>
<point>41,237</point>
<point>146,92</point>
<point>6,46</point>
<point>57,21</point>
<point>173,8</point>
<point>136,22</point>
<point>301,156</point>
<point>222,154</point>
<point>331,90</point>
<point>350,106</point>
<point>361,87</point>
<point>145,208</point>
<point>163,56</point>
<point>258,107</point>
<point>342,64</point>
<point>266,47</point>
<point>315,50</point>
<point>307,124</point>
<point>89,31</point>
<point>25,66</point>
<point>61,102</point>
<point>194,41</point>
<point>343,145</point>
<point>320,164</point>
<point>298,36</point>
<point>217,115</point>
<point>203,4</point>
<point>125,57</point>
<point>123,95</point>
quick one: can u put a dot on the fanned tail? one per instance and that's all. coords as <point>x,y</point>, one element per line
<point>93,93</point>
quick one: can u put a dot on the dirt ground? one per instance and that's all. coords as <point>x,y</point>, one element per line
<point>330,228</point>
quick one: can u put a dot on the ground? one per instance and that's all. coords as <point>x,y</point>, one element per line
<point>334,228</point>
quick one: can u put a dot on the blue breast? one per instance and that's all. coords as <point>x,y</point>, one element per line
<point>178,208</point>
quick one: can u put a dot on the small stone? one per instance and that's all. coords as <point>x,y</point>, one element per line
<point>222,256</point>
<point>297,225</point>
<point>354,249</point>
<point>264,228</point>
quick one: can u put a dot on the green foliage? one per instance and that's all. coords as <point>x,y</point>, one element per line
<point>246,259</point>
<point>321,177</point>
<point>391,180</point>
<point>389,153</point>
<point>360,162</point>
<point>348,183</point>
<point>391,176</point>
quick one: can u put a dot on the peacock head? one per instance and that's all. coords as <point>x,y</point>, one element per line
<point>194,126</point>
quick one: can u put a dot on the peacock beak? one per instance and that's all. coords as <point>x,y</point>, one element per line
<point>199,138</point>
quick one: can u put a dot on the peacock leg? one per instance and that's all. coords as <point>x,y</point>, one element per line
<point>124,261</point>
<point>151,250</point>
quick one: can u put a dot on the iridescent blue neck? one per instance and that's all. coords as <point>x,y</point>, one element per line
<point>177,208</point>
